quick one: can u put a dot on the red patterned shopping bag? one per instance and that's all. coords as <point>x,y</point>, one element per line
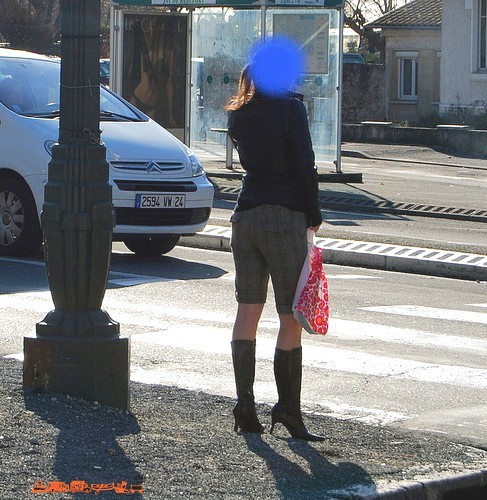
<point>311,305</point>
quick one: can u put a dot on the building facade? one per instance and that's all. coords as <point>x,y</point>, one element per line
<point>464,57</point>
<point>412,59</point>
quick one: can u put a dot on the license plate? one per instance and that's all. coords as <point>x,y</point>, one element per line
<point>160,200</point>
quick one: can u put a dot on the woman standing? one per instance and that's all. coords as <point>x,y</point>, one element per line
<point>277,203</point>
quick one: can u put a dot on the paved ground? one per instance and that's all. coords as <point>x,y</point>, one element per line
<point>409,154</point>
<point>417,210</point>
<point>180,444</point>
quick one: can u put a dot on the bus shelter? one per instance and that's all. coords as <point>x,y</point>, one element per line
<point>179,61</point>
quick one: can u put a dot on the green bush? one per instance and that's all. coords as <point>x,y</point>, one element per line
<point>371,57</point>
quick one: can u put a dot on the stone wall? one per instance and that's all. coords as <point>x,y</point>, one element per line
<point>460,140</point>
<point>363,93</point>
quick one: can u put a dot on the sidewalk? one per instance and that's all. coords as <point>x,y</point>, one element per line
<point>181,444</point>
<point>403,153</point>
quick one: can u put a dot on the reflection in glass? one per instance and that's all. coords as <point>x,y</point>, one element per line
<point>154,66</point>
<point>222,38</point>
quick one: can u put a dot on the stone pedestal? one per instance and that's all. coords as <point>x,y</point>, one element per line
<point>92,369</point>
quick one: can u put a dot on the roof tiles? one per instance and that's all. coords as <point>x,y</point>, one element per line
<point>415,14</point>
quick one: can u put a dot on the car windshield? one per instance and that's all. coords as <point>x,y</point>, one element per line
<point>353,58</point>
<point>105,68</point>
<point>30,87</point>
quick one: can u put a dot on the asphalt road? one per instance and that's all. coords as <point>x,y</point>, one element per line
<point>445,234</point>
<point>403,350</point>
<point>395,174</point>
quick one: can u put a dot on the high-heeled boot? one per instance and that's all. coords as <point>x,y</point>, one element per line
<point>243,356</point>
<point>287,411</point>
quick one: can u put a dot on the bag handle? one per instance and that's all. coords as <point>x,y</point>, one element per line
<point>311,236</point>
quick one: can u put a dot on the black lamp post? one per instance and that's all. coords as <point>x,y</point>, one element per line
<point>78,349</point>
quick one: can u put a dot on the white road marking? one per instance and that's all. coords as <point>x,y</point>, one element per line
<point>227,277</point>
<point>130,279</point>
<point>138,281</point>
<point>427,175</point>
<point>161,318</point>
<point>326,358</point>
<point>356,330</point>
<point>19,356</point>
<point>186,329</point>
<point>216,340</point>
<point>231,277</point>
<point>477,305</point>
<point>431,312</point>
<point>352,277</point>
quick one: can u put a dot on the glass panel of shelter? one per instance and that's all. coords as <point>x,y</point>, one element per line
<point>214,51</point>
<point>154,64</point>
<point>318,33</point>
<point>221,40</point>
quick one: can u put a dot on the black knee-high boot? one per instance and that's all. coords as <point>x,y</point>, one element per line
<point>287,411</point>
<point>243,356</point>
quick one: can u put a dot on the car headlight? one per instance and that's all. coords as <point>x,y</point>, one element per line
<point>196,166</point>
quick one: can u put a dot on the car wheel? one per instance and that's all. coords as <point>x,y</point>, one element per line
<point>151,246</point>
<point>20,231</point>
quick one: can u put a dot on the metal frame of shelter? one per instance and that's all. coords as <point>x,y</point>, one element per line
<point>192,51</point>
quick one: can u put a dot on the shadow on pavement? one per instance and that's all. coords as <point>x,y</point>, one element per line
<point>356,196</point>
<point>317,477</point>
<point>165,267</point>
<point>454,153</point>
<point>87,449</point>
<point>125,270</point>
<point>339,216</point>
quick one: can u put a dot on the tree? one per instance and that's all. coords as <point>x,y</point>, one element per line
<point>30,24</point>
<point>359,12</point>
<point>105,28</point>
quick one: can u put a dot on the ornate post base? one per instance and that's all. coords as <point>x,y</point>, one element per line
<point>88,368</point>
<point>84,324</point>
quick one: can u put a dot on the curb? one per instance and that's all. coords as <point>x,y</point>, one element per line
<point>371,255</point>
<point>461,487</point>
<point>338,177</point>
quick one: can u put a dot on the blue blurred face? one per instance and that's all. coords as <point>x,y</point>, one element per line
<point>275,65</point>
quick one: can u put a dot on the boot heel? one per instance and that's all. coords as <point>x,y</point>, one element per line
<point>246,419</point>
<point>273,423</point>
<point>293,422</point>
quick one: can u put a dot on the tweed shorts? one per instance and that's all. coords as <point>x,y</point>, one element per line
<point>268,240</point>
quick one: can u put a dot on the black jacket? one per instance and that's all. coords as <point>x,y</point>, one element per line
<point>274,145</point>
